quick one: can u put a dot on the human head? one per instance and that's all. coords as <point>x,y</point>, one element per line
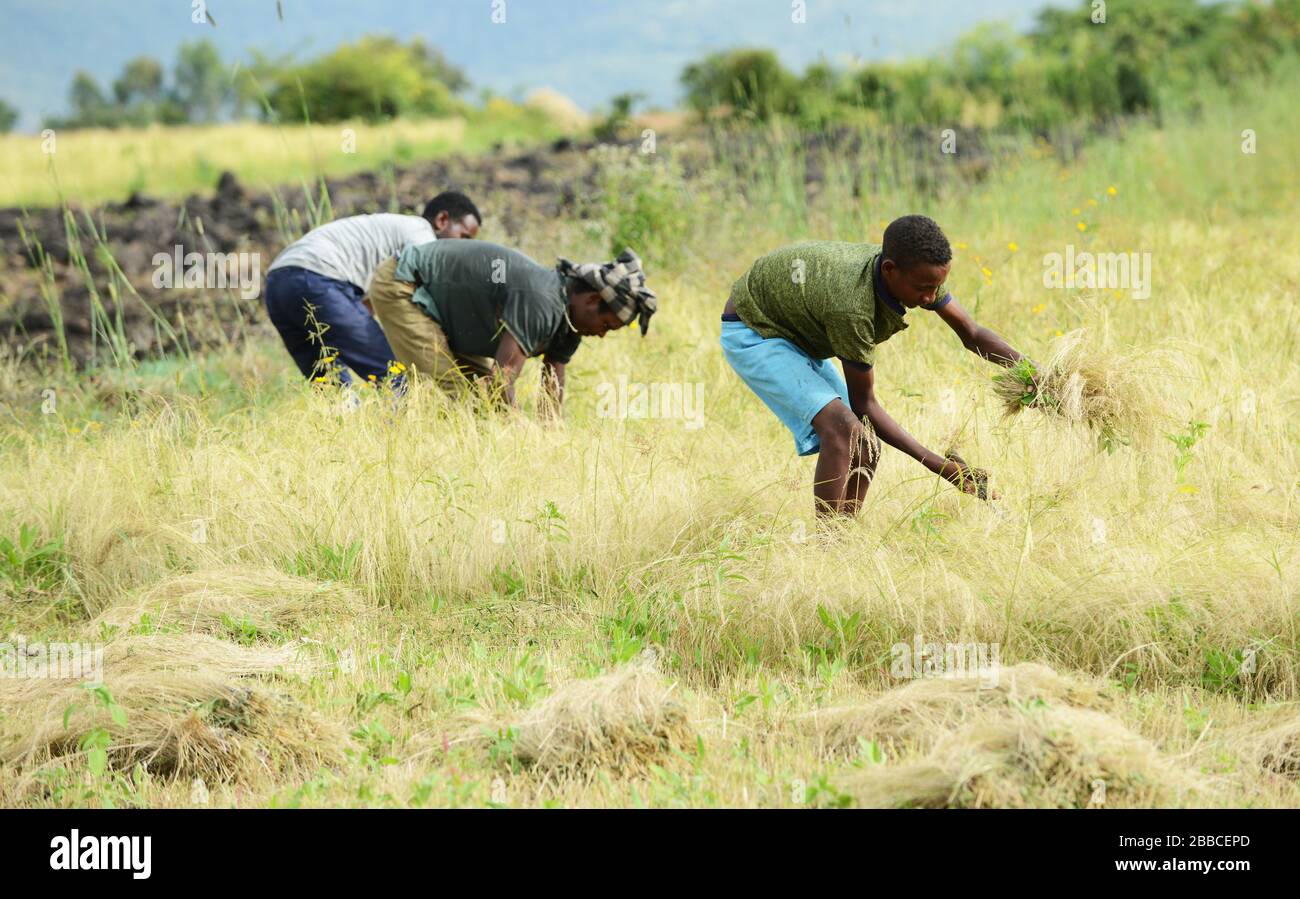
<point>605,297</point>
<point>915,260</point>
<point>453,215</point>
<point>588,313</point>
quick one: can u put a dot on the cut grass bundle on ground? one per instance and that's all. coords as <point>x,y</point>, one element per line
<point>916,715</point>
<point>263,602</point>
<point>1273,743</point>
<point>1022,756</point>
<point>624,721</point>
<point>1108,391</point>
<point>179,705</point>
<point>1029,737</point>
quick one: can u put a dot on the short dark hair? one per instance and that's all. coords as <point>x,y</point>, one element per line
<point>454,203</point>
<point>915,238</point>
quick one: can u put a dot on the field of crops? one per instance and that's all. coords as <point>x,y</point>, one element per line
<point>303,601</point>
<point>95,165</point>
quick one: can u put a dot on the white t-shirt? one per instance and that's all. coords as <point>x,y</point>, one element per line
<point>350,249</point>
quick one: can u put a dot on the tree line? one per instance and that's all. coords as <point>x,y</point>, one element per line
<point>373,78</point>
<point>1084,63</point>
<point>1081,63</point>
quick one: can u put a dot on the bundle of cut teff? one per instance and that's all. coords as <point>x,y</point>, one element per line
<point>179,705</point>
<point>1115,393</point>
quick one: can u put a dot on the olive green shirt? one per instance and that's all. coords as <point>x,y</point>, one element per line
<point>825,297</point>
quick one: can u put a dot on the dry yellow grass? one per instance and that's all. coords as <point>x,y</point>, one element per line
<point>498,568</point>
<point>1085,383</point>
<point>620,722</point>
<point>916,715</point>
<point>95,165</point>
<point>188,706</point>
<point>219,600</point>
<point>1034,758</point>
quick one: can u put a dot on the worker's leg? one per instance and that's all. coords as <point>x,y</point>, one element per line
<point>319,318</point>
<point>418,341</point>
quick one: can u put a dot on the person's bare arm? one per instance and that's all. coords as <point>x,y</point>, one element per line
<point>510,360</point>
<point>979,340</point>
<point>862,399</point>
<point>552,389</point>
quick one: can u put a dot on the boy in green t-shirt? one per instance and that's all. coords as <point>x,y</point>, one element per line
<point>801,305</point>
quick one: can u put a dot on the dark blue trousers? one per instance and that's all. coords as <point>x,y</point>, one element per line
<point>342,325</point>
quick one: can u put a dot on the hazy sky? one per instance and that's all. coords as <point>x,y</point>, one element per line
<point>587,49</point>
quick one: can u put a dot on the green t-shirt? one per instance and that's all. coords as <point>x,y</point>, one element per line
<point>474,289</point>
<point>825,297</point>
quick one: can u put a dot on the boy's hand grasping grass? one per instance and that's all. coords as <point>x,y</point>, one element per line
<point>966,478</point>
<point>1111,392</point>
<point>1021,386</point>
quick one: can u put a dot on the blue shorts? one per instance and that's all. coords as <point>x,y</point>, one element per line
<point>790,382</point>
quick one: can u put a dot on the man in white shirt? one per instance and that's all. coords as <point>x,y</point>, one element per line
<point>315,288</point>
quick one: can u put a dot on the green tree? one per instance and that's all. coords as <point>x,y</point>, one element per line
<point>141,81</point>
<point>8,117</point>
<point>613,125</point>
<point>202,84</point>
<point>752,83</point>
<point>375,78</point>
<point>440,69</point>
<point>820,95</point>
<point>139,94</point>
<point>90,107</point>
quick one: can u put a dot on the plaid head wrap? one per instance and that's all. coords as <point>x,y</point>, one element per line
<point>620,283</point>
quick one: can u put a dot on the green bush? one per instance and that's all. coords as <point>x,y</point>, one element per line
<point>1068,68</point>
<point>375,78</point>
<point>645,206</point>
<point>752,83</point>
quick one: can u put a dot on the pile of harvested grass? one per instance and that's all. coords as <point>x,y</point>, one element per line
<point>183,706</point>
<point>1033,757</point>
<point>1035,738</point>
<point>916,715</point>
<point>623,721</point>
<point>213,601</point>
<point>1274,742</point>
<point>1109,391</point>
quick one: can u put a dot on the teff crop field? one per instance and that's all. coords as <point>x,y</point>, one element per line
<point>408,602</point>
<point>97,165</point>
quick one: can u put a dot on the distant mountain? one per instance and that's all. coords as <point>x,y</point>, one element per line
<point>587,49</point>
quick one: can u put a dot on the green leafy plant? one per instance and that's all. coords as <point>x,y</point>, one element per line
<point>31,562</point>
<point>1183,443</point>
<point>525,681</point>
<point>97,741</point>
